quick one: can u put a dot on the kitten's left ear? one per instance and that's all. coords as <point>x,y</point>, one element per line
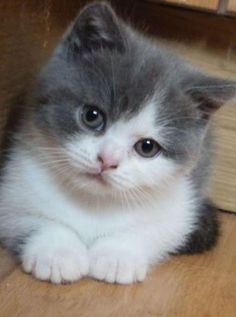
<point>208,92</point>
<point>96,27</point>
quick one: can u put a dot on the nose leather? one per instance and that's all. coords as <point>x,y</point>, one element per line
<point>110,155</point>
<point>107,162</point>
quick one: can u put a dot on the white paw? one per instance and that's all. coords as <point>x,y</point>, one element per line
<point>116,266</point>
<point>56,263</point>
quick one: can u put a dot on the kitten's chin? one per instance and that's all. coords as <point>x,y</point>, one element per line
<point>97,179</point>
<point>97,183</point>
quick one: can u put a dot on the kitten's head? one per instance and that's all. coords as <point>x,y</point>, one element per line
<point>120,111</point>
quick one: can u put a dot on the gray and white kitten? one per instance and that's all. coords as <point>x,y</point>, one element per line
<point>107,172</point>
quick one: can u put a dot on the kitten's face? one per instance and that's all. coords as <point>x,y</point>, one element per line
<point>126,156</point>
<point>121,111</point>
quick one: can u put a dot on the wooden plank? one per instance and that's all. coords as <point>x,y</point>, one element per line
<point>208,4</point>
<point>28,32</point>
<point>231,7</point>
<point>199,285</point>
<point>173,23</point>
<point>224,170</point>
<point>7,265</point>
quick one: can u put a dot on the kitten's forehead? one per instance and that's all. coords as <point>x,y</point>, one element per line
<point>120,83</point>
<point>141,124</point>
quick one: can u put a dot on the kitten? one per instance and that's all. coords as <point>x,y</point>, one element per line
<point>107,173</point>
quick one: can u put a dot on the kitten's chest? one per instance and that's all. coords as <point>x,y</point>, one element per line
<point>91,225</point>
<point>49,200</point>
<point>162,216</point>
<point>88,222</point>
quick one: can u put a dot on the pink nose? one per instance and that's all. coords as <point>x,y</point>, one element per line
<point>107,162</point>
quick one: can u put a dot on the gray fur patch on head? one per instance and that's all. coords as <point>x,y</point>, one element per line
<point>103,62</point>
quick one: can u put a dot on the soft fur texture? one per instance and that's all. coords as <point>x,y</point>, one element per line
<point>77,202</point>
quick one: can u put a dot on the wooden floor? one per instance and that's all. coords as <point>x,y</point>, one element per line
<point>185,286</point>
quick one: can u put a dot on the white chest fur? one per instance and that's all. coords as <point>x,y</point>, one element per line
<point>169,216</point>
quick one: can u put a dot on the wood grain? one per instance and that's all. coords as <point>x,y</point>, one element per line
<point>29,30</point>
<point>231,7</point>
<point>208,4</point>
<point>184,286</point>
<point>224,170</point>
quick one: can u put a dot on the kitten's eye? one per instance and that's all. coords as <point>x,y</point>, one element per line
<point>147,148</point>
<point>93,118</point>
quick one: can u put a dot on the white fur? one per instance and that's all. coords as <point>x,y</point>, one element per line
<point>55,253</point>
<point>113,231</point>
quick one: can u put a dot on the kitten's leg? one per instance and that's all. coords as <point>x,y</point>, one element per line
<point>55,253</point>
<point>125,258</point>
<point>120,259</point>
<point>51,252</point>
<point>204,237</point>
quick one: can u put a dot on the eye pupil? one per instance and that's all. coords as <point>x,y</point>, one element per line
<point>91,115</point>
<point>147,146</point>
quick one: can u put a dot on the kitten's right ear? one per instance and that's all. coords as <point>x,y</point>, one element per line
<point>96,27</point>
<point>209,93</point>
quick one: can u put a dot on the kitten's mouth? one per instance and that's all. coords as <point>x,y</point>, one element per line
<point>97,178</point>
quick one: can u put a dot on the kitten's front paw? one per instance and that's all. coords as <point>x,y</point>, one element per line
<point>57,264</point>
<point>116,265</point>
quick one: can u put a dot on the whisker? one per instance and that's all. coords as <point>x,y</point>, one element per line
<point>213,87</point>
<point>53,162</point>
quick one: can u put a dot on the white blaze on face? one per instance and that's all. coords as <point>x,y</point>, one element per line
<point>117,145</point>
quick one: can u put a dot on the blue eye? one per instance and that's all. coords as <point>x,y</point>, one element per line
<point>147,148</point>
<point>93,118</point>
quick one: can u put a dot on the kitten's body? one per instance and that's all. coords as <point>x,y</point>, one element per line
<point>152,228</point>
<point>62,214</point>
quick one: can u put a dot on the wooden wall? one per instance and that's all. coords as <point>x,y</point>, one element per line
<point>29,30</point>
